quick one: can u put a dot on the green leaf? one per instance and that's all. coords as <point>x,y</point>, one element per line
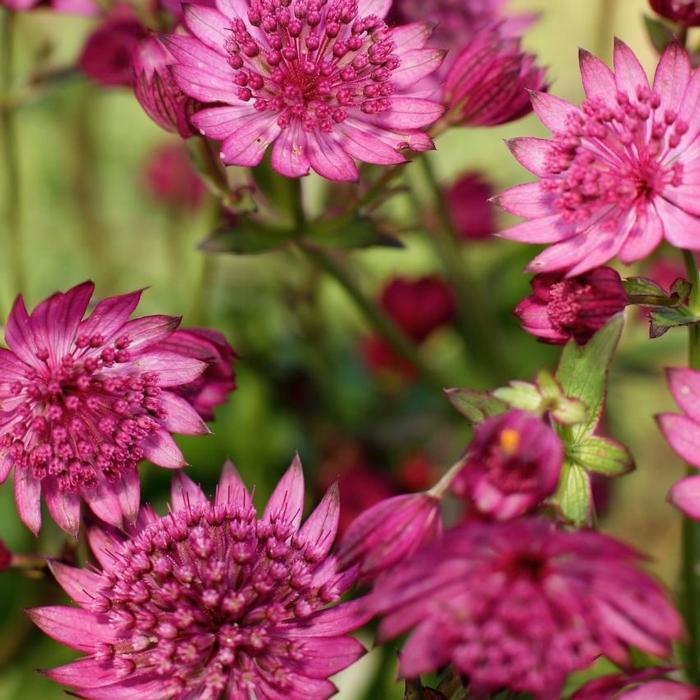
<point>476,406</point>
<point>248,236</point>
<point>522,395</point>
<point>680,290</point>
<point>641,286</point>
<point>574,494</point>
<point>349,232</point>
<point>583,373</point>
<point>662,319</point>
<point>659,33</point>
<point>602,455</point>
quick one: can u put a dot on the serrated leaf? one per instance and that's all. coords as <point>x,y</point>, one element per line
<point>659,33</point>
<point>662,319</point>
<point>349,232</point>
<point>602,455</point>
<point>475,406</point>
<point>583,373</point>
<point>247,237</point>
<point>522,395</point>
<point>574,494</point>
<point>641,286</point>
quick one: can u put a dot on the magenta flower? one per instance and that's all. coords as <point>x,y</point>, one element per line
<point>648,684</point>
<point>488,81</point>
<point>389,532</point>
<point>84,401</point>
<point>323,83</point>
<point>156,90</point>
<point>210,601</point>
<point>172,180</point>
<point>576,307</point>
<point>682,432</point>
<point>211,388</point>
<point>512,464</point>
<point>520,605</point>
<point>617,176</point>
<point>107,54</point>
<point>473,215</point>
<point>686,12</point>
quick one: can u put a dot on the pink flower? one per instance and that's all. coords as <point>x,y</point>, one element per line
<point>84,401</point>
<point>156,90</point>
<point>520,605</point>
<point>211,388</point>
<point>171,179</point>
<point>686,12</point>
<point>512,465</point>
<point>682,432</point>
<point>617,176</point>
<point>576,307</point>
<point>323,83</point>
<point>107,54</point>
<point>648,684</point>
<point>472,213</point>
<point>419,306</point>
<point>210,601</point>
<point>488,81</point>
<point>389,532</point>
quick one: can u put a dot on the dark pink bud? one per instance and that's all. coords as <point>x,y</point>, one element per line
<point>419,306</point>
<point>389,532</point>
<point>156,90</point>
<point>512,464</point>
<point>171,179</point>
<point>489,81</point>
<point>575,307</point>
<point>107,54</point>
<point>473,216</point>
<point>685,12</point>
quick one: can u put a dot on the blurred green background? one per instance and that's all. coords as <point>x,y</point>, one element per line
<point>302,384</point>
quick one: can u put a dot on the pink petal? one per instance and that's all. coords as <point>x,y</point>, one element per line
<point>148,330</point>
<point>684,385</point>
<point>63,507</point>
<point>104,502</point>
<point>411,36</point>
<point>205,86</point>
<point>76,628</point>
<point>416,65</point>
<point>672,77</point>
<point>103,544</point>
<point>79,584</point>
<point>629,74</point>
<point>343,618</point>
<point>287,500</point>
<point>128,490</point>
<point>321,526</point>
<point>552,111</point>
<point>84,673</point>
<point>411,113</point>
<point>192,53</point>
<point>369,144</point>
<point>19,335</point>
<point>219,123</point>
<point>683,434</point>
<point>28,499</point>
<point>208,25</point>
<point>184,493</point>
<point>324,657</point>
<point>528,200</point>
<point>373,7</point>
<point>161,449</point>
<point>681,229</point>
<point>247,145</point>
<point>598,80</point>
<point>685,495</point>
<point>180,417</point>
<point>289,152</point>
<point>549,229</point>
<point>172,369</point>
<point>329,159</point>
<point>5,467</point>
<point>646,234</point>
<point>142,687</point>
<point>231,489</point>
<point>110,315</point>
<point>426,649</point>
<point>532,153</point>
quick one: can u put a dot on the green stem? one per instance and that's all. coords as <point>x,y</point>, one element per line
<point>691,529</point>
<point>8,134</point>
<point>477,326</point>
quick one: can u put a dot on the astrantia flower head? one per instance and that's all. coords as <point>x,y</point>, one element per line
<point>618,175</point>
<point>472,213</point>
<point>520,605</point>
<point>513,463</point>
<point>84,401</point>
<point>210,601</point>
<point>576,307</point>
<point>156,90</point>
<point>213,386</point>
<point>685,12</point>
<point>322,81</point>
<point>648,684</point>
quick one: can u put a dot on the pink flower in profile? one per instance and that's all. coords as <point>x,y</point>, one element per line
<point>473,215</point>
<point>107,54</point>
<point>682,432</point>
<point>171,178</point>
<point>211,388</point>
<point>520,605</point>
<point>84,401</point>
<point>648,684</point>
<point>686,12</point>
<point>156,90</point>
<point>210,601</point>
<point>561,308</point>
<point>617,176</point>
<point>323,83</point>
<point>512,464</point>
<point>389,532</point>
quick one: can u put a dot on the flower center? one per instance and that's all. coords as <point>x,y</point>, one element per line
<point>201,597</point>
<point>506,467</point>
<point>79,417</point>
<point>562,307</point>
<point>312,60</point>
<point>614,157</point>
